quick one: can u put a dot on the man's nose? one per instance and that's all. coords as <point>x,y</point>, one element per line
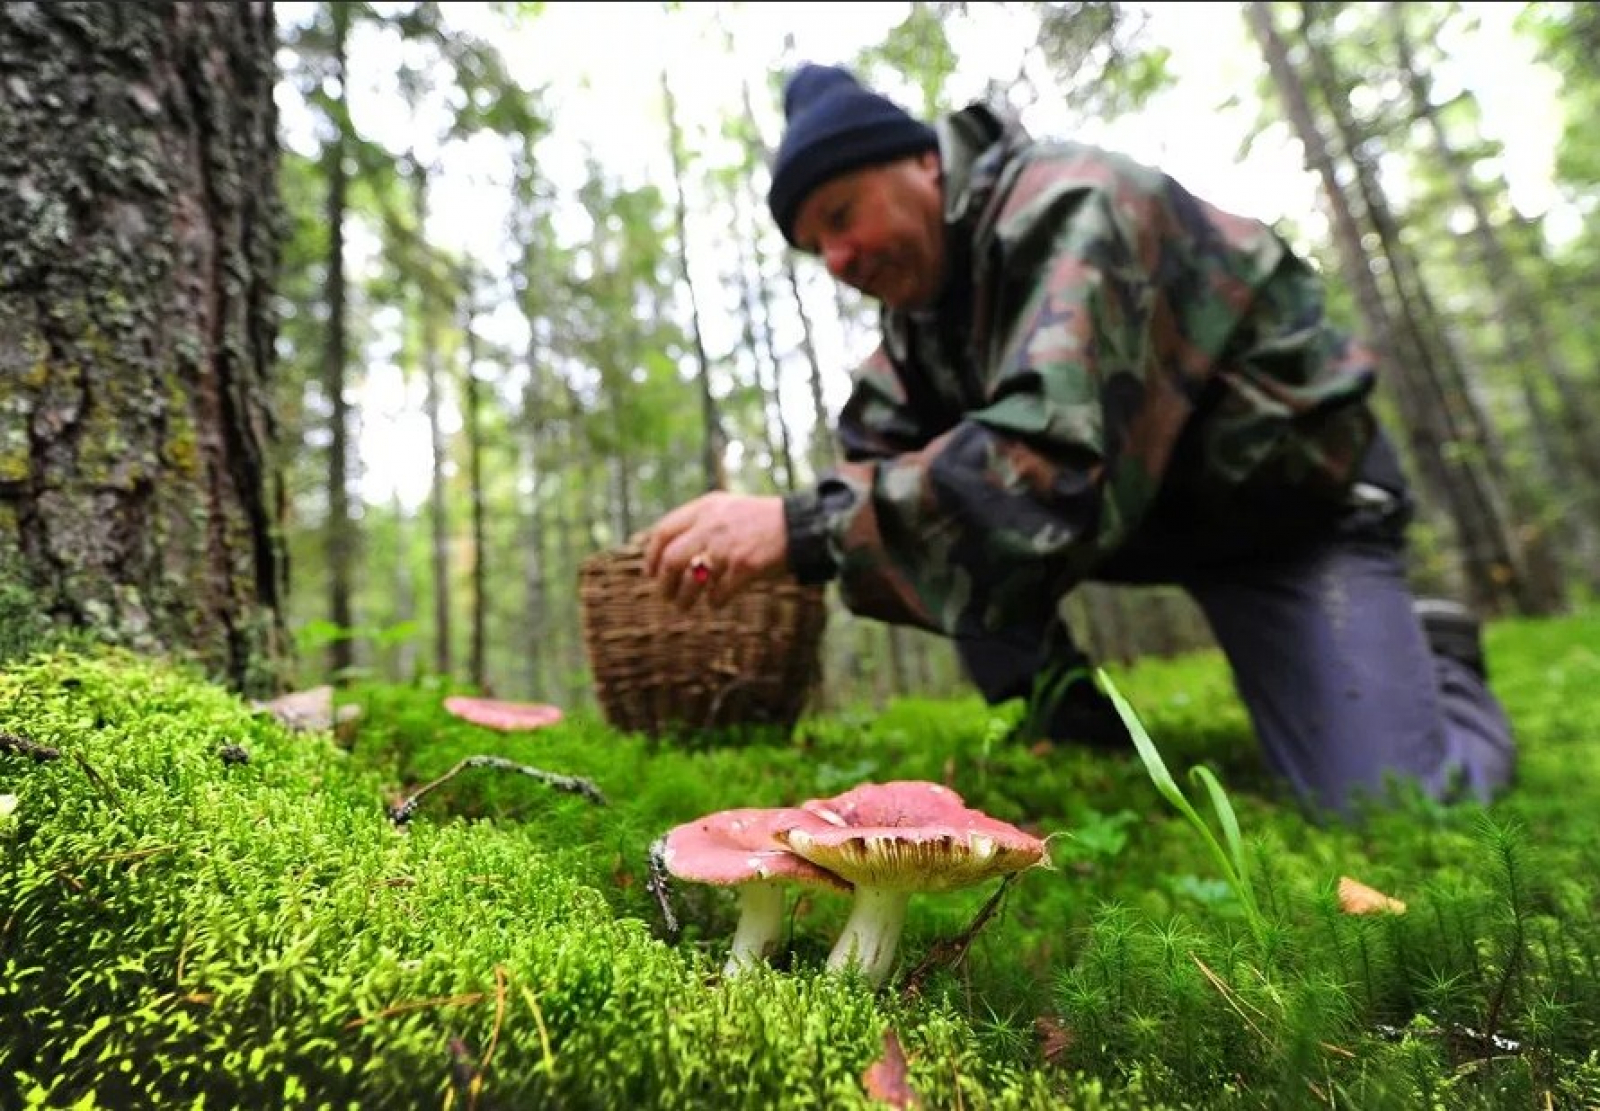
<point>837,256</point>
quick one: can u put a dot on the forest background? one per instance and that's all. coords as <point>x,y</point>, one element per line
<point>334,338</point>
<point>528,298</point>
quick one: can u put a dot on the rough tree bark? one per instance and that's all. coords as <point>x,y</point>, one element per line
<point>137,498</point>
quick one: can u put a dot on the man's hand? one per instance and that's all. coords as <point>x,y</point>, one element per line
<point>715,546</point>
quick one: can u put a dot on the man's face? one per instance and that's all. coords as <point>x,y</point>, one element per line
<point>880,230</point>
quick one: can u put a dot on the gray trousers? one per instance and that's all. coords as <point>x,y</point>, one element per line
<point>1333,666</point>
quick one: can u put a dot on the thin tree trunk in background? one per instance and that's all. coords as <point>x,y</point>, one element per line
<point>340,537</point>
<point>470,402</point>
<point>791,475</point>
<point>405,593</point>
<point>575,536</point>
<point>536,619</point>
<point>138,505</point>
<point>1566,445</point>
<point>541,653</point>
<point>821,454</point>
<point>824,451</point>
<point>620,464</point>
<point>1509,573</point>
<point>438,503</point>
<point>438,499</point>
<point>774,433</point>
<point>715,438</point>
<point>895,644</point>
<point>1419,421</point>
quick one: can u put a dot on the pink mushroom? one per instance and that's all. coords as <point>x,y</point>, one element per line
<point>505,716</point>
<point>737,849</point>
<point>892,840</point>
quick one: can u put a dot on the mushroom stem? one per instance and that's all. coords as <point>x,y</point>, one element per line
<point>760,924</point>
<point>871,935</point>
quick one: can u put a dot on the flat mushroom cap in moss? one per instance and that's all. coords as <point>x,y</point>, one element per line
<point>508,717</point>
<point>740,849</point>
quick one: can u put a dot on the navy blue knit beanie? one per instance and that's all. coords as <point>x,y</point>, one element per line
<point>834,126</point>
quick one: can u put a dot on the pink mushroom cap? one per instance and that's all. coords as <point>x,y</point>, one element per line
<point>506,716</point>
<point>734,847</point>
<point>909,835</point>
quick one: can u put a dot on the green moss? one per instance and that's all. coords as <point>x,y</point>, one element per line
<point>257,934</point>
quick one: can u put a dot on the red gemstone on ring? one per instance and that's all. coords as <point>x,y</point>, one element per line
<point>700,572</point>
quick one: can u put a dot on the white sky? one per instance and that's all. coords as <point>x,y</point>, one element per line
<point>607,60</point>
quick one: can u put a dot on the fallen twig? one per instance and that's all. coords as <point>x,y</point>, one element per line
<point>99,783</point>
<point>951,951</point>
<point>14,745</point>
<point>1232,999</point>
<point>401,812</point>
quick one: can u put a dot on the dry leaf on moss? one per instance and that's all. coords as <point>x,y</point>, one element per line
<point>886,1080</point>
<point>1356,897</point>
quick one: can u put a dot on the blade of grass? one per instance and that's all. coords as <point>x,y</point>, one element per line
<point>1229,823</point>
<point>1232,866</point>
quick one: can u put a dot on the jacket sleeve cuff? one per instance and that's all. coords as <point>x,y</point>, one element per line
<point>806,524</point>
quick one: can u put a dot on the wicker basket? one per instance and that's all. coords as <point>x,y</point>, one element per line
<point>660,671</point>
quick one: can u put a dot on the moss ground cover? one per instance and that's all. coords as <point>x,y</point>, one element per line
<point>199,906</point>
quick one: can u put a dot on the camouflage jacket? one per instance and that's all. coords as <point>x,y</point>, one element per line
<point>1119,382</point>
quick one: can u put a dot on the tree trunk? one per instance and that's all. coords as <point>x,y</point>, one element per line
<point>774,434</point>
<point>339,534</point>
<point>404,603</point>
<point>757,296</point>
<point>438,498</point>
<point>471,403</point>
<point>430,344</point>
<point>137,502</point>
<point>714,443</point>
<point>538,652</point>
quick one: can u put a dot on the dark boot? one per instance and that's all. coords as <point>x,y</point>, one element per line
<point>1067,707</point>
<point>1056,678</point>
<point>1452,632</point>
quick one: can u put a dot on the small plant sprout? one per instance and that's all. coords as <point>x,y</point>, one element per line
<point>1230,860</point>
<point>739,849</point>
<point>892,840</point>
<point>508,717</point>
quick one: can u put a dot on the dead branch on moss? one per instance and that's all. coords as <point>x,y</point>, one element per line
<point>13,744</point>
<point>952,951</point>
<point>401,812</point>
<point>98,781</point>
